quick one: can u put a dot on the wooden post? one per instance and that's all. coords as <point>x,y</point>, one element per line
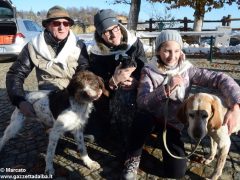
<point>150,30</point>
<point>223,21</point>
<point>185,24</point>
<point>211,50</point>
<point>150,24</point>
<point>228,20</point>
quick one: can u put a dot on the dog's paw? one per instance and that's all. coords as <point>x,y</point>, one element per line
<point>49,171</point>
<point>93,165</point>
<point>216,175</point>
<point>90,163</point>
<point>207,160</point>
<point>212,178</point>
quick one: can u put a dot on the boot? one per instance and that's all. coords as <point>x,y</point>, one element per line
<point>130,168</point>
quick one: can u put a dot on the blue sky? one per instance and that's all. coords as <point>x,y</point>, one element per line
<point>146,12</point>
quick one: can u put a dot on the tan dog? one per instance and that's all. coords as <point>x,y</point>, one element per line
<point>204,113</point>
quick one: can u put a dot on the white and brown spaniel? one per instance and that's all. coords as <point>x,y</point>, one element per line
<point>63,110</point>
<point>204,113</point>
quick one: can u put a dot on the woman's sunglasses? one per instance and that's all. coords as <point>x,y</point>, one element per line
<point>58,23</point>
<point>110,31</point>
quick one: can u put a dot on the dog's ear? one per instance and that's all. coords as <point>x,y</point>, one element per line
<point>181,113</point>
<point>104,90</point>
<point>215,122</point>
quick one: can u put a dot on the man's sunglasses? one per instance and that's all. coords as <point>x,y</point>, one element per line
<point>58,23</point>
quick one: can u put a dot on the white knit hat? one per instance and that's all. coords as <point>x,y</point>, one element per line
<point>168,35</point>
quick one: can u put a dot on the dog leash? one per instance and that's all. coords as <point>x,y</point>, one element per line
<point>165,136</point>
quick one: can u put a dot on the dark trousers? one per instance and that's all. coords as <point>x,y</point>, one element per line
<point>99,119</point>
<point>142,126</point>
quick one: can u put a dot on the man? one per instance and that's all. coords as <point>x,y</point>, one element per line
<point>113,41</point>
<point>55,53</point>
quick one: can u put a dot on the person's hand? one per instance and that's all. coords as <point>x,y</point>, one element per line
<point>27,109</point>
<point>175,81</point>
<point>121,75</point>
<point>130,83</point>
<point>232,118</point>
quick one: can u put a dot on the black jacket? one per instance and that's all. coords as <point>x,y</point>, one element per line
<point>23,66</point>
<point>104,64</point>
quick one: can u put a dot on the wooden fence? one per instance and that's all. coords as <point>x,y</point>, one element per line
<point>158,25</point>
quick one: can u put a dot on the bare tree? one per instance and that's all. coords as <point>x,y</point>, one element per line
<point>82,15</point>
<point>133,13</point>
<point>166,16</point>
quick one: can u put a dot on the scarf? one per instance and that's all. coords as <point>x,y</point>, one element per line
<point>41,47</point>
<point>179,91</point>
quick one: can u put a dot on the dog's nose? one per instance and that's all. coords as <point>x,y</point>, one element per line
<point>198,134</point>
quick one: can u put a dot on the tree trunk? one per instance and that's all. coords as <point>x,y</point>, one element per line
<point>198,23</point>
<point>133,14</point>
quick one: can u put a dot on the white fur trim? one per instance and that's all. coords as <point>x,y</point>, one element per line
<point>131,40</point>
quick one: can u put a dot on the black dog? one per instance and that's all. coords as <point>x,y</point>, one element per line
<point>126,61</point>
<point>123,106</point>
